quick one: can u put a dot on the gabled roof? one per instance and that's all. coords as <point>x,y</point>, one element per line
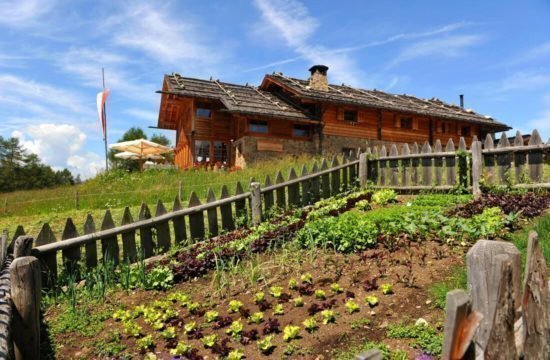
<point>378,99</point>
<point>235,98</point>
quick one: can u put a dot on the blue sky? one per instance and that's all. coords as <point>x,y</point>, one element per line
<point>497,53</point>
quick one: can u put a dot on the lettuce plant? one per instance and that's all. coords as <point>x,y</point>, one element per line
<point>278,310</point>
<point>292,284</point>
<point>169,333</point>
<point>193,307</point>
<point>310,324</point>
<point>256,318</point>
<point>336,288</point>
<point>123,315</point>
<point>352,306</point>
<point>320,294</point>
<point>236,354</point>
<point>291,332</point>
<point>179,297</point>
<point>266,344</point>
<point>386,289</point>
<point>307,278</point>
<point>131,328</point>
<point>234,306</point>
<point>298,302</point>
<point>259,297</point>
<point>276,291</point>
<point>181,349</point>
<point>328,316</point>
<point>371,300</point>
<point>209,340</point>
<point>190,327</point>
<point>145,342</point>
<point>235,329</point>
<point>210,316</point>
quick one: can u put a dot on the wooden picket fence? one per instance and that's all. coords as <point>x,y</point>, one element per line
<point>426,168</point>
<point>185,226</point>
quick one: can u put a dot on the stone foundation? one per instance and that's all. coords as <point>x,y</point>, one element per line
<point>246,149</point>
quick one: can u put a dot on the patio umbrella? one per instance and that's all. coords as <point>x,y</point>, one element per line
<point>142,148</point>
<point>126,155</point>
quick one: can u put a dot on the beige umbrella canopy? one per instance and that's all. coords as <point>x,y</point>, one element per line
<point>126,155</point>
<point>141,148</point>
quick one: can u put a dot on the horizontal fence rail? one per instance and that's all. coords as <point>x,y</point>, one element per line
<point>417,168</point>
<point>152,234</point>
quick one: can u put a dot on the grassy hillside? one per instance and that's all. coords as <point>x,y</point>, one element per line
<point>118,189</point>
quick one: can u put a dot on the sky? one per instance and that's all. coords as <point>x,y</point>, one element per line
<point>495,52</point>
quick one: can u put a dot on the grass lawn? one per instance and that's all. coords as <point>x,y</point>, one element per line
<point>118,189</point>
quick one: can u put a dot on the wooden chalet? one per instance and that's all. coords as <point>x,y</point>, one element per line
<point>234,125</point>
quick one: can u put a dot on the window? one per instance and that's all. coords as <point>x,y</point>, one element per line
<point>258,126</point>
<point>203,112</point>
<point>465,131</point>
<point>348,151</point>
<point>202,151</point>
<point>443,129</point>
<point>300,130</point>
<point>406,123</point>
<point>220,152</point>
<point>350,115</point>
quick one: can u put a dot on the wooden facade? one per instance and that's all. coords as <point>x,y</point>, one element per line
<point>211,117</point>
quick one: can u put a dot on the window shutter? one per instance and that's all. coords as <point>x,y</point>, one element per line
<point>415,124</point>
<point>340,114</point>
<point>396,121</point>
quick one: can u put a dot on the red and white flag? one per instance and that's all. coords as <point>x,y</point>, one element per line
<point>101,99</point>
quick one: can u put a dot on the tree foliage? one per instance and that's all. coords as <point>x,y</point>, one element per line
<point>22,171</point>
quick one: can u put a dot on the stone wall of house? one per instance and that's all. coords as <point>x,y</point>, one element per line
<point>246,149</point>
<point>333,144</point>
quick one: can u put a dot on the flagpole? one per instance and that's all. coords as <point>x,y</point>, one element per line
<point>105,119</point>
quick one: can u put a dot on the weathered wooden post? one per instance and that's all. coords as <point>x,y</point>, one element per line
<point>536,302</point>
<point>460,326</point>
<point>476,168</point>
<point>180,191</point>
<point>484,281</point>
<point>25,292</point>
<point>363,172</point>
<point>256,203</point>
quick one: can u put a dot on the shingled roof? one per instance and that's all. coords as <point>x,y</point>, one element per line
<point>378,99</point>
<point>236,98</point>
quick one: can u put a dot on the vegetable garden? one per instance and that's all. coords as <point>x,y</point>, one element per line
<point>365,269</point>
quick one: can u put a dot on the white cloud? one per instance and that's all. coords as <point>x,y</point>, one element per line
<point>18,89</point>
<point>448,46</point>
<point>87,165</point>
<point>166,38</point>
<point>524,80</point>
<point>60,146</point>
<point>21,13</point>
<point>291,21</point>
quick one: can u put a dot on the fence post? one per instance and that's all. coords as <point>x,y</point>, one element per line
<point>180,191</point>
<point>76,199</point>
<point>256,203</point>
<point>363,172</point>
<point>460,326</point>
<point>476,168</point>
<point>25,293</point>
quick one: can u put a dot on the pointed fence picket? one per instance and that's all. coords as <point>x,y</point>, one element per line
<point>404,168</point>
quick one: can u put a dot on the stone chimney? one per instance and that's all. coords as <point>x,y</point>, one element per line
<point>318,79</point>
